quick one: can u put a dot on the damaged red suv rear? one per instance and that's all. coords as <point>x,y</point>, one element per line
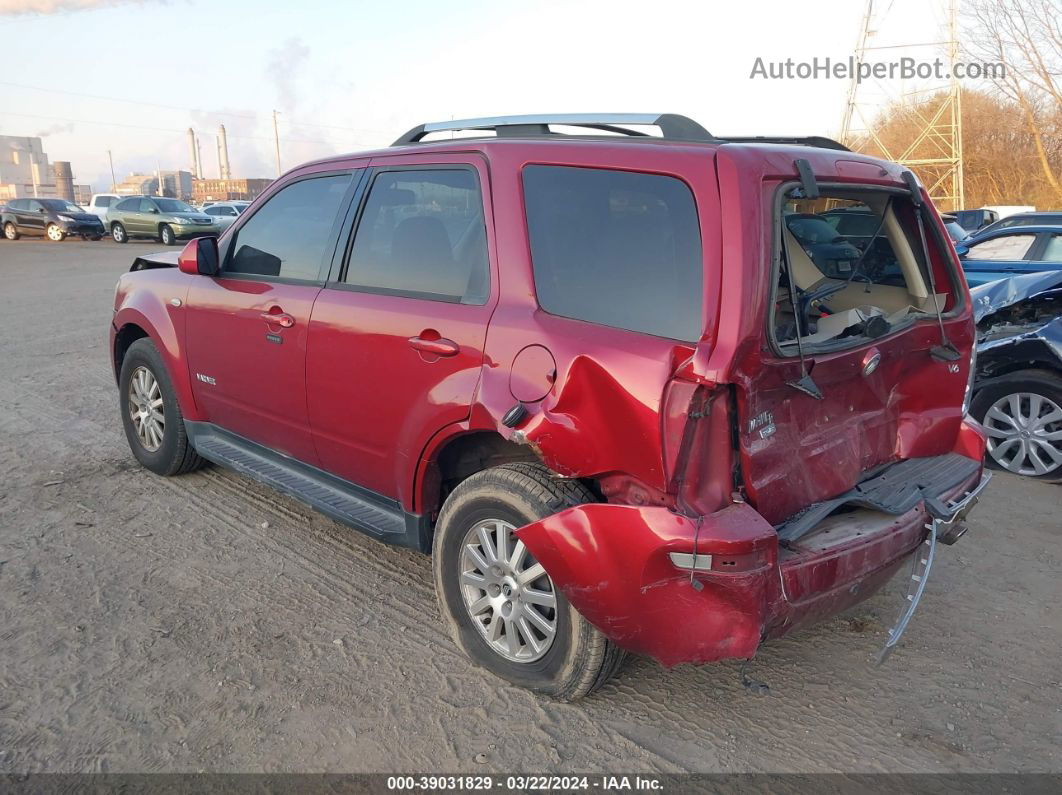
<point>666,393</point>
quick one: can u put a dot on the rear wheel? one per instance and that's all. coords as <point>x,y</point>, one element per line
<point>118,233</point>
<point>1022,415</point>
<point>10,232</point>
<point>166,236</point>
<point>154,425</point>
<point>502,608</point>
<point>54,233</point>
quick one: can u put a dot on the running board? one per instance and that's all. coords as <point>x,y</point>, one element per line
<point>347,503</point>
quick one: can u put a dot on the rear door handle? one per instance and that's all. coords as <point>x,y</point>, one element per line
<point>440,346</point>
<point>282,319</point>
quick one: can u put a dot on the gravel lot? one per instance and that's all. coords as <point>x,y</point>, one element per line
<point>207,623</point>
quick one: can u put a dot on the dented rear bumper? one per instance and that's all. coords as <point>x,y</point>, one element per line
<point>614,564</point>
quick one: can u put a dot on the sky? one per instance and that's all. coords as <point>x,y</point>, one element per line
<point>131,76</point>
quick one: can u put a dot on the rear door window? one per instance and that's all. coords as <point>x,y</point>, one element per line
<point>616,248</point>
<point>288,236</point>
<point>1053,252</point>
<point>422,235</point>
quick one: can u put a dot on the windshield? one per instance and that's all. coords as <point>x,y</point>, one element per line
<point>811,228</point>
<point>60,206</point>
<point>173,206</point>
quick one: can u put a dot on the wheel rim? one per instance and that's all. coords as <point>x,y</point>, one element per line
<point>507,593</point>
<point>146,409</point>
<point>118,232</point>
<point>54,233</point>
<point>9,231</point>
<point>1025,433</point>
<point>167,236</point>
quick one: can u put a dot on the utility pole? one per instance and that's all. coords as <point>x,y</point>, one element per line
<point>276,140</point>
<point>114,182</point>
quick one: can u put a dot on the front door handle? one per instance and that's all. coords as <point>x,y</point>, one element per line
<point>439,346</point>
<point>280,318</point>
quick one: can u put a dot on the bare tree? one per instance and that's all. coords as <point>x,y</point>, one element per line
<point>1026,37</point>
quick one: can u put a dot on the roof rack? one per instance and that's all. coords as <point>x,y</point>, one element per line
<point>811,140</point>
<point>672,126</point>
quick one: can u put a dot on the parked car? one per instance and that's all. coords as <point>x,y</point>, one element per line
<point>1009,252</point>
<point>585,391</point>
<point>165,220</point>
<point>954,230</point>
<point>974,220</point>
<point>51,218</point>
<point>1024,219</point>
<point>225,213</point>
<point>830,250</point>
<point>100,203</point>
<point>1018,389</point>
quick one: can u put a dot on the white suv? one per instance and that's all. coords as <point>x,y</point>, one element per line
<point>100,203</point>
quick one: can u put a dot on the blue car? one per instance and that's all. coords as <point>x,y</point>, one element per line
<point>1010,252</point>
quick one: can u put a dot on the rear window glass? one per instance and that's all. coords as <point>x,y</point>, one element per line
<point>616,248</point>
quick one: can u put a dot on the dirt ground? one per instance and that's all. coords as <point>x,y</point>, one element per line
<point>207,623</point>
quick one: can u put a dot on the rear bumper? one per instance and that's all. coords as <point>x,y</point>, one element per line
<point>614,564</point>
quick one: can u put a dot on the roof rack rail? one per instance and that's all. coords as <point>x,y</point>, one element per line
<point>672,126</point>
<point>812,140</point>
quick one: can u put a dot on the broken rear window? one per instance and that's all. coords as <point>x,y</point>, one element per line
<point>852,267</point>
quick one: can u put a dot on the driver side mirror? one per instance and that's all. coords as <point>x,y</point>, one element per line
<point>42,209</point>
<point>200,257</point>
<point>153,210</point>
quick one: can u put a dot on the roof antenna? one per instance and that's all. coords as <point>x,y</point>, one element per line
<point>945,352</point>
<point>805,383</point>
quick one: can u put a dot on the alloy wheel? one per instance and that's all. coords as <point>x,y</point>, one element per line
<point>1025,433</point>
<point>118,233</point>
<point>507,593</point>
<point>146,409</point>
<point>55,234</point>
<point>9,231</point>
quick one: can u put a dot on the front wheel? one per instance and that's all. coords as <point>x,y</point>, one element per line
<point>154,425</point>
<point>119,234</point>
<point>10,232</point>
<point>55,234</point>
<point>166,235</point>
<point>502,608</point>
<point>1022,416</point>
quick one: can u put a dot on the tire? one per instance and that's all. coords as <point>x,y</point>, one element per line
<point>578,659</point>
<point>10,232</point>
<point>118,233</point>
<point>166,236</point>
<point>170,453</point>
<point>54,233</point>
<point>1020,394</point>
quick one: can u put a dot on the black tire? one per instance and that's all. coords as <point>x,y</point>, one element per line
<point>1044,383</point>
<point>176,455</point>
<point>580,659</point>
<point>11,231</point>
<point>166,235</point>
<point>118,233</point>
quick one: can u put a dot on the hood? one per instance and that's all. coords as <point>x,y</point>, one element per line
<point>990,297</point>
<point>78,216</point>
<point>161,259</point>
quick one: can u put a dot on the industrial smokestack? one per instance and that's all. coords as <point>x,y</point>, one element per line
<point>64,180</point>
<point>223,154</point>
<point>194,154</point>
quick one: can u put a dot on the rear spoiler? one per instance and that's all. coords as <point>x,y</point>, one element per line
<point>161,259</point>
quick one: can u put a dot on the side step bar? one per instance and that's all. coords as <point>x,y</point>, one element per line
<point>345,502</point>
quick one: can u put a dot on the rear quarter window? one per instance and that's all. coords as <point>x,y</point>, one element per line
<point>616,248</point>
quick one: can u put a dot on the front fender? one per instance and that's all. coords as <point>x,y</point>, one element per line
<point>158,309</point>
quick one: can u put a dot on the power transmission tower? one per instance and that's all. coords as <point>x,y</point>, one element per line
<point>935,150</point>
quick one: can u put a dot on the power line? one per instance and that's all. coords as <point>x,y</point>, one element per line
<point>229,114</point>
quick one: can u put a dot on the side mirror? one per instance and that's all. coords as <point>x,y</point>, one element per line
<point>42,209</point>
<point>200,257</point>
<point>962,249</point>
<point>154,210</point>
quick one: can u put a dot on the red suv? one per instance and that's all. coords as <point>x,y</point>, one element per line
<point>592,371</point>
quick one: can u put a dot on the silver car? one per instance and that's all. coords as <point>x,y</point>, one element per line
<point>224,213</point>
